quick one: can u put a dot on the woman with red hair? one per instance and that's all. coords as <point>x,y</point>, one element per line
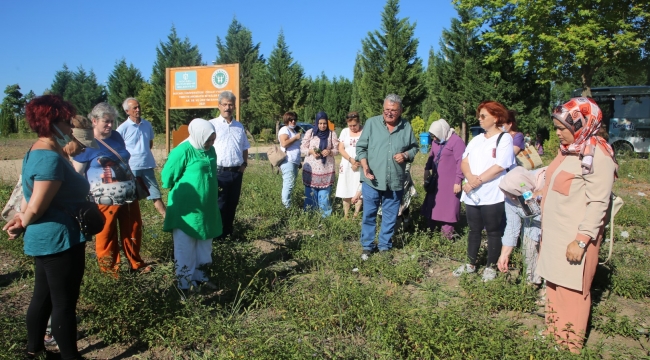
<point>576,197</point>
<point>485,161</point>
<point>52,188</point>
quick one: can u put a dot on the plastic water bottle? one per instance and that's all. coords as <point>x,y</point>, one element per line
<point>531,206</point>
<point>473,195</point>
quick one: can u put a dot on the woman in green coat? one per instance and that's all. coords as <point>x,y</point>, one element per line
<point>193,216</point>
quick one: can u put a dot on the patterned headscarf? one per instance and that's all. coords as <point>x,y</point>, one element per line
<point>582,117</point>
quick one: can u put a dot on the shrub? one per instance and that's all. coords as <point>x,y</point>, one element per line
<point>418,125</point>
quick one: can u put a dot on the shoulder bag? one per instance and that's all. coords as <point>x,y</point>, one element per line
<point>529,158</point>
<point>13,205</point>
<point>142,192</point>
<point>431,185</point>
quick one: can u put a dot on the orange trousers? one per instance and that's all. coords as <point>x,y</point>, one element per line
<point>567,310</point>
<point>107,244</point>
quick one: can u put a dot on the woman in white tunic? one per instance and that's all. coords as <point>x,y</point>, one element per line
<point>348,181</point>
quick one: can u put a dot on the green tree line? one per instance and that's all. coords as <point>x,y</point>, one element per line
<point>494,49</point>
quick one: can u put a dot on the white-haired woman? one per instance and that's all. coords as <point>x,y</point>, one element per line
<point>107,169</point>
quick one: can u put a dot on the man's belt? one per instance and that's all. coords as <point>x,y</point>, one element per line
<point>226,168</point>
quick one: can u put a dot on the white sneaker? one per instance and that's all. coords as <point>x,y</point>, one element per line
<point>464,269</point>
<point>489,274</point>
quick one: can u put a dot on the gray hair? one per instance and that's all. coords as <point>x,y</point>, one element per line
<point>101,110</point>
<point>125,104</point>
<point>394,98</point>
<point>227,95</point>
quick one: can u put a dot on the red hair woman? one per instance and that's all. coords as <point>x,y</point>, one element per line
<point>52,237</point>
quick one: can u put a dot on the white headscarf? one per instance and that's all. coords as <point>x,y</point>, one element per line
<point>441,130</point>
<point>200,130</point>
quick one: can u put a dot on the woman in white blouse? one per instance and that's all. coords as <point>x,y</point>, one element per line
<point>485,161</point>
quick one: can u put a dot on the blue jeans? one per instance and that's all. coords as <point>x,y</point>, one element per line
<point>318,198</point>
<point>389,201</point>
<point>289,173</point>
<point>149,178</point>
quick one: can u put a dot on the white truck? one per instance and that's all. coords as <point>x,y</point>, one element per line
<point>626,115</point>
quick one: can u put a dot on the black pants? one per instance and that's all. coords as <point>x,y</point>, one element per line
<point>229,191</point>
<point>489,217</point>
<point>57,281</point>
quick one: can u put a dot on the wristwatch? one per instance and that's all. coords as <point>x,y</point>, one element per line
<point>582,244</point>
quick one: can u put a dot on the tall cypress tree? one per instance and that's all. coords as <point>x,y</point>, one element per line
<point>78,87</point>
<point>239,48</point>
<point>355,97</point>
<point>390,64</point>
<point>172,53</point>
<point>337,99</point>
<point>61,80</point>
<point>458,79</point>
<point>123,82</point>
<point>278,86</point>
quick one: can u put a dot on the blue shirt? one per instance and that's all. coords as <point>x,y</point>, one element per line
<point>55,231</point>
<point>110,179</point>
<point>137,138</point>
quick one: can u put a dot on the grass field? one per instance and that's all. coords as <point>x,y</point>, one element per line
<point>292,286</point>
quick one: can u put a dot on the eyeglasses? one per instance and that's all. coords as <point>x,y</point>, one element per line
<point>482,116</point>
<point>290,120</point>
<point>389,111</point>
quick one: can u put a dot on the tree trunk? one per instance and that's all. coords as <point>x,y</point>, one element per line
<point>463,130</point>
<point>587,77</point>
<point>277,128</point>
<point>463,124</point>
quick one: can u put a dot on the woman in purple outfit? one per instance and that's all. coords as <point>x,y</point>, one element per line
<point>510,127</point>
<point>443,207</point>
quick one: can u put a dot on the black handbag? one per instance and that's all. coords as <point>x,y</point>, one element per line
<point>91,221</point>
<point>431,184</point>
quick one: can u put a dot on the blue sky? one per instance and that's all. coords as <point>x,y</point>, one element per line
<point>39,36</point>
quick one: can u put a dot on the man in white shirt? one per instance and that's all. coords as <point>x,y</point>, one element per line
<point>232,147</point>
<point>138,138</point>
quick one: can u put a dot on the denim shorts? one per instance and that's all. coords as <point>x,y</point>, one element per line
<point>149,178</point>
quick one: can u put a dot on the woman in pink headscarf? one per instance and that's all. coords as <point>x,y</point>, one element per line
<point>576,196</point>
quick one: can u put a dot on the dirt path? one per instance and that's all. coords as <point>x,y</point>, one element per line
<point>10,169</point>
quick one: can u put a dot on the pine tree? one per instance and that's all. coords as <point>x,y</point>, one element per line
<point>239,49</point>
<point>61,80</point>
<point>279,86</point>
<point>123,82</point>
<point>172,53</point>
<point>456,75</point>
<point>78,87</point>
<point>144,98</point>
<point>458,80</point>
<point>11,109</point>
<point>390,64</point>
<point>84,92</point>
<point>338,96</point>
<point>315,98</point>
<point>355,97</point>
<point>430,103</point>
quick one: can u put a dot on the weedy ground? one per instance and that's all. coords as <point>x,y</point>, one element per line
<point>291,285</point>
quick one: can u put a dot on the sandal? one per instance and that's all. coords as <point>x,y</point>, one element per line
<point>49,339</point>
